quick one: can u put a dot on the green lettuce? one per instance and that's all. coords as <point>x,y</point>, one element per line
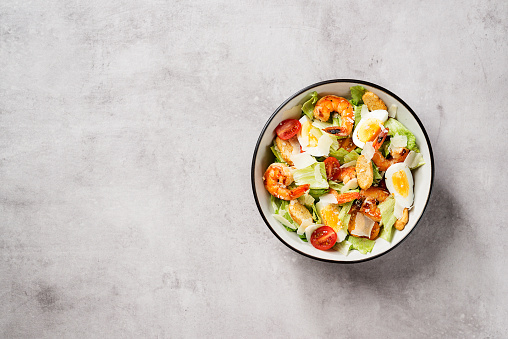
<point>314,175</point>
<point>395,127</point>
<point>358,115</point>
<point>339,154</point>
<point>315,215</point>
<point>344,215</point>
<point>335,185</point>
<point>278,156</point>
<point>308,105</point>
<point>387,218</point>
<point>343,247</point>
<point>281,210</point>
<point>377,175</point>
<point>353,155</point>
<point>306,199</point>
<point>361,244</point>
<point>356,94</point>
<point>318,192</point>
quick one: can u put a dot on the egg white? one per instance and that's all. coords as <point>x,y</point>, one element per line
<point>308,132</point>
<point>380,115</point>
<point>407,201</point>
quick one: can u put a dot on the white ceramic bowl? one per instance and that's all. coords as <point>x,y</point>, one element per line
<point>423,176</point>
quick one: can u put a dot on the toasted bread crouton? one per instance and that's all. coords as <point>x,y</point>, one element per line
<point>373,102</point>
<point>298,212</point>
<point>286,149</point>
<point>364,172</point>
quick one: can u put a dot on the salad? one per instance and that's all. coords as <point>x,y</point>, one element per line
<point>341,176</point>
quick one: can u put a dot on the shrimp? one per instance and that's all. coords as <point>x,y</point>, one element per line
<point>346,174</point>
<point>397,156</point>
<point>286,148</point>
<point>371,197</point>
<point>347,144</point>
<point>332,103</point>
<point>352,223</point>
<point>299,213</point>
<point>342,198</point>
<point>276,179</point>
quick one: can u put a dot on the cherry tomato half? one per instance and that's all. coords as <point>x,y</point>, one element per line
<point>323,238</point>
<point>332,166</point>
<point>288,129</point>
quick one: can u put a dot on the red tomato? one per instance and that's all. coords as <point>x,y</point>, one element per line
<point>288,128</point>
<point>323,238</point>
<point>332,166</point>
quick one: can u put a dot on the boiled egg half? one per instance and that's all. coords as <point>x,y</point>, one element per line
<point>312,140</point>
<point>369,127</point>
<point>399,182</point>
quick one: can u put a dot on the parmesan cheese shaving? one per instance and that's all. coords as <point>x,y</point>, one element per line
<point>310,229</point>
<point>283,221</point>
<point>397,141</point>
<point>410,159</point>
<point>413,159</point>
<point>351,184</point>
<point>368,151</point>
<point>398,210</point>
<point>341,234</point>
<point>364,111</point>
<point>392,111</point>
<point>302,160</point>
<point>305,223</point>
<point>349,164</point>
<point>363,225</point>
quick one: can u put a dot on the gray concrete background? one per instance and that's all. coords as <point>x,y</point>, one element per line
<point>126,135</point>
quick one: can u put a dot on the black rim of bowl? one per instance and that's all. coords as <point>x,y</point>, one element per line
<point>360,82</point>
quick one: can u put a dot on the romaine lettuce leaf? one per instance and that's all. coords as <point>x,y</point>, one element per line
<point>377,175</point>
<point>396,127</point>
<point>343,247</point>
<point>361,244</point>
<point>281,213</point>
<point>344,215</point>
<point>356,94</point>
<point>358,115</point>
<point>335,185</point>
<point>339,154</point>
<point>387,218</point>
<point>315,215</point>
<point>314,175</point>
<point>306,199</point>
<point>308,106</point>
<point>317,193</point>
<point>353,155</point>
<point>278,156</point>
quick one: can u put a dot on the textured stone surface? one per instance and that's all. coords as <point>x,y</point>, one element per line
<point>126,135</point>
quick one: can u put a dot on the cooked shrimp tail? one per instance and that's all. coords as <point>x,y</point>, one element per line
<point>380,138</point>
<point>342,198</point>
<point>382,163</point>
<point>276,179</point>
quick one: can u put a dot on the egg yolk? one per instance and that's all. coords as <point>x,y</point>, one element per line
<point>307,131</point>
<point>400,183</point>
<point>369,129</point>
<point>330,216</point>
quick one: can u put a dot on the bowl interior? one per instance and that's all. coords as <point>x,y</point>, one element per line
<point>263,157</point>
